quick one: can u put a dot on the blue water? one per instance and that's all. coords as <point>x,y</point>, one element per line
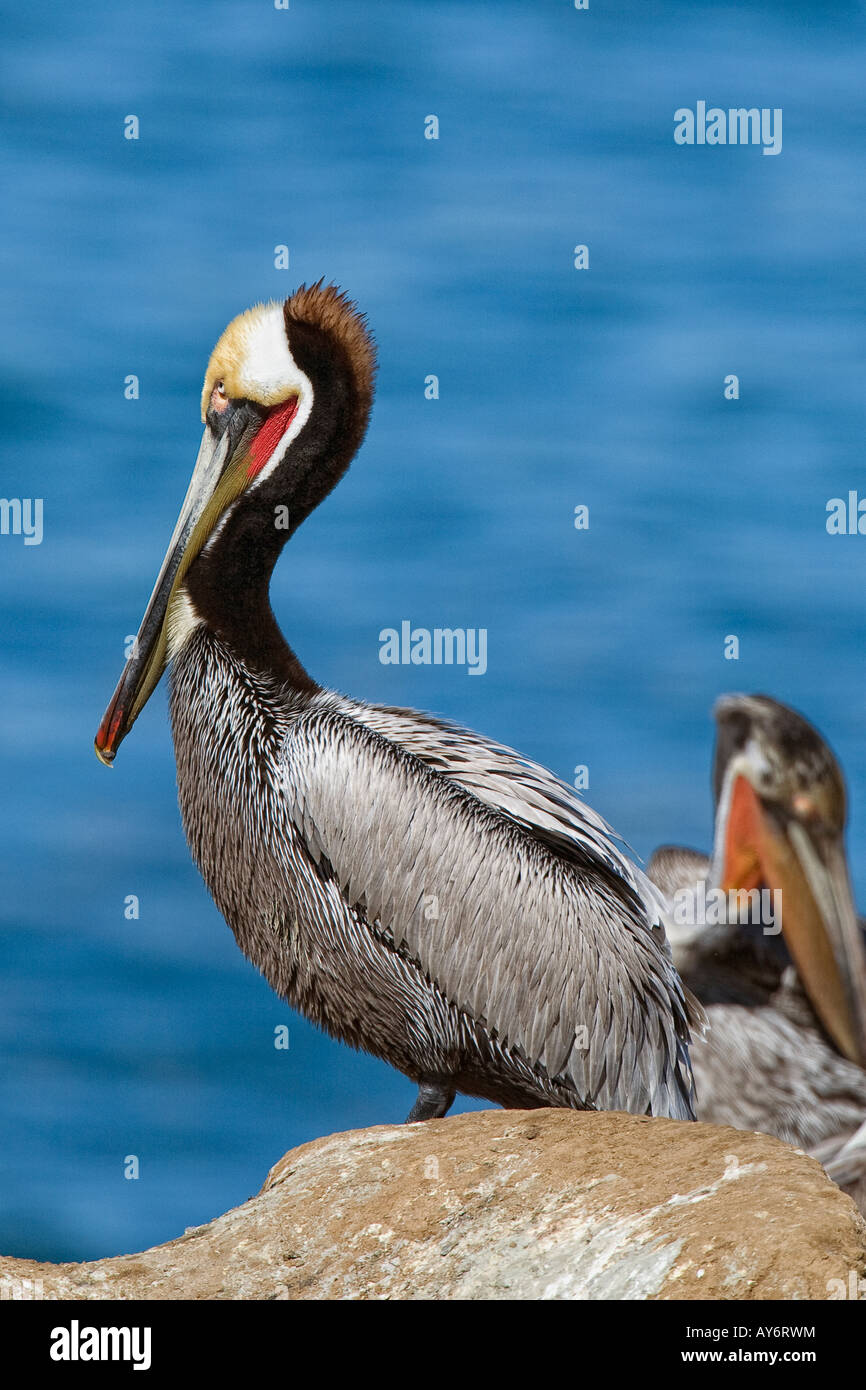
<point>558,387</point>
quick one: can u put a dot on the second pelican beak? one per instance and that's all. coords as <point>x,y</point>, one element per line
<point>824,936</point>
<point>807,864</point>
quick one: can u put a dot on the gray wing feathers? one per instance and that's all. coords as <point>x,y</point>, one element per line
<point>759,1070</point>
<point>501,777</point>
<point>844,1157</point>
<point>562,966</point>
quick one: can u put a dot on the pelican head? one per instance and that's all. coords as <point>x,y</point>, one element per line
<point>780,824</point>
<point>285,403</point>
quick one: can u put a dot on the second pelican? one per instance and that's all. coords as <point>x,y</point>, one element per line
<point>786,1045</point>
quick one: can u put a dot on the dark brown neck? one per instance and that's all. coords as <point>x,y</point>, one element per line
<point>229,582</point>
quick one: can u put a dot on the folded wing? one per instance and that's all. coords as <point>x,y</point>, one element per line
<point>509,893</point>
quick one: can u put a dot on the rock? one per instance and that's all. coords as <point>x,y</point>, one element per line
<point>542,1204</point>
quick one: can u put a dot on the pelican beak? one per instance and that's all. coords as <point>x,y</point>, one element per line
<point>825,938</point>
<point>209,492</point>
<point>806,862</point>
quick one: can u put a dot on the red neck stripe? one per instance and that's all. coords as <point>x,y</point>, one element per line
<point>270,435</point>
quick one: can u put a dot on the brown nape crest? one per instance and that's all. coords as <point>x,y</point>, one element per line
<point>333,312</point>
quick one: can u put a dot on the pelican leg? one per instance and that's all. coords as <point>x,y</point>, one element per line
<point>435,1098</point>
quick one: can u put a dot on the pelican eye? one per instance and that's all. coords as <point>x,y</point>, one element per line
<point>804,806</point>
<point>219,398</point>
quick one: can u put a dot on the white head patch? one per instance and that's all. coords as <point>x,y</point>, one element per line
<point>252,359</point>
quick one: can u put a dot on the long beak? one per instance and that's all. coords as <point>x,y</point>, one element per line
<point>819,920</point>
<point>147,661</point>
<point>826,941</point>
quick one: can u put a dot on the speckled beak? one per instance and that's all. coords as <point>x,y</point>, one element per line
<point>807,864</point>
<point>148,658</point>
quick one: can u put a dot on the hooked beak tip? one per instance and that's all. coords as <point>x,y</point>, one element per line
<point>103,754</point>
<point>109,733</point>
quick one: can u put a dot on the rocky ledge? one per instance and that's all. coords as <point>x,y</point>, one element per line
<point>543,1204</point>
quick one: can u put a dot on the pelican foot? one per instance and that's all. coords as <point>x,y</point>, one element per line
<point>435,1098</point>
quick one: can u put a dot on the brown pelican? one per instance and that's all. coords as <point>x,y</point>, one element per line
<point>418,891</point>
<point>782,977</point>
